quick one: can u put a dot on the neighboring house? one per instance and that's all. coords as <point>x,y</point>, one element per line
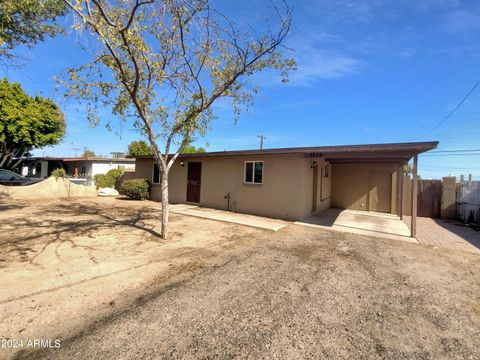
<point>289,183</point>
<point>81,168</point>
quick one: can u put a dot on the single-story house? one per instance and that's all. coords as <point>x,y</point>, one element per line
<point>81,168</point>
<point>290,183</point>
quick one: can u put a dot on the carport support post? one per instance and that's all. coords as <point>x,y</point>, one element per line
<point>413,226</point>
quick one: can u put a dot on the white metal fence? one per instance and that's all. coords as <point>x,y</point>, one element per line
<point>468,201</point>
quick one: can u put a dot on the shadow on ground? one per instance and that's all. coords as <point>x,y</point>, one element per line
<point>32,233</point>
<point>462,230</point>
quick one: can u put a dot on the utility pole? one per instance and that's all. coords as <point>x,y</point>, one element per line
<point>76,150</point>
<point>261,140</point>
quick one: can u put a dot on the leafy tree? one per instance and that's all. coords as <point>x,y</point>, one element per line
<point>88,153</point>
<point>163,64</point>
<point>26,123</point>
<point>190,149</point>
<point>407,169</point>
<point>26,22</point>
<point>139,148</point>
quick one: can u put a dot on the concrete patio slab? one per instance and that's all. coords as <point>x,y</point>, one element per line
<point>360,222</point>
<point>226,216</point>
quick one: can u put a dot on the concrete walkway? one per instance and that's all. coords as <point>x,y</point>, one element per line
<point>450,234</point>
<point>226,216</point>
<point>434,232</point>
<point>360,222</point>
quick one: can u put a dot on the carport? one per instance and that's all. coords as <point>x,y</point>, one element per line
<point>367,180</point>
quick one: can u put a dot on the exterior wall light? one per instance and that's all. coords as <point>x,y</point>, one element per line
<point>314,165</point>
<point>182,163</point>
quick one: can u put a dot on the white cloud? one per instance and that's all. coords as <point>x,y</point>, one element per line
<point>344,10</point>
<point>316,60</point>
<point>433,4</point>
<point>462,21</point>
<point>321,64</point>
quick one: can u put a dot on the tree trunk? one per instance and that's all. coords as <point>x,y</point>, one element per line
<point>3,160</point>
<point>10,157</point>
<point>19,160</point>
<point>164,183</point>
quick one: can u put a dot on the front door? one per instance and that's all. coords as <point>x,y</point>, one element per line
<point>193,181</point>
<point>380,193</point>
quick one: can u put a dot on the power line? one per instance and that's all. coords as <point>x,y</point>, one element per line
<point>455,109</point>
<point>431,167</point>
<point>453,151</point>
<point>472,154</point>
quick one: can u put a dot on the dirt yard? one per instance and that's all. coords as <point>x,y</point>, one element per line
<point>94,274</point>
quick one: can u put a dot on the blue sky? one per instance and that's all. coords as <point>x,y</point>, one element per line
<point>369,71</point>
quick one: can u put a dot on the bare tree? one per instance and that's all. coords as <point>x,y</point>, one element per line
<point>165,63</point>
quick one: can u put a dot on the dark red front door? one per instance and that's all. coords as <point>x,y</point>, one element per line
<point>193,181</point>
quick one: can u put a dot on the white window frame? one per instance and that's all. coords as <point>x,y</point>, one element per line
<point>253,174</point>
<point>153,174</point>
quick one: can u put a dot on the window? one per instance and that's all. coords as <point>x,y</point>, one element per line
<point>253,172</point>
<point>325,170</point>
<point>156,174</point>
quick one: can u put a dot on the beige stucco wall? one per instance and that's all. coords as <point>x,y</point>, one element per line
<point>286,192</point>
<point>323,186</point>
<point>407,195</point>
<point>351,185</point>
<point>393,198</point>
<point>324,198</point>
<point>143,169</point>
<point>449,199</point>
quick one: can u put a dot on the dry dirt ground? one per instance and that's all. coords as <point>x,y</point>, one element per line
<point>94,274</point>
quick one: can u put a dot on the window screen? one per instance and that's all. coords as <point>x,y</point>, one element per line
<point>258,178</point>
<point>253,172</point>
<point>156,174</point>
<point>249,172</point>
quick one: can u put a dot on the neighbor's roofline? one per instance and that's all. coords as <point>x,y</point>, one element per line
<point>409,147</point>
<point>80,159</point>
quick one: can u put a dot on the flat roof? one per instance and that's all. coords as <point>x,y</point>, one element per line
<point>81,159</point>
<point>388,151</point>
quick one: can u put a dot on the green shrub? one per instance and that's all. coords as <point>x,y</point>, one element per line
<point>100,180</point>
<point>136,189</point>
<point>109,179</point>
<point>59,173</point>
<point>116,174</point>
